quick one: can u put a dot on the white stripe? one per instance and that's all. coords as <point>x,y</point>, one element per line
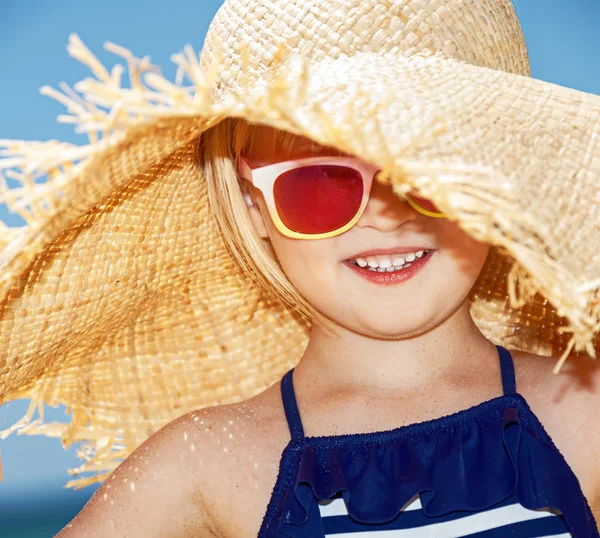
<point>478,522</point>
<point>337,507</point>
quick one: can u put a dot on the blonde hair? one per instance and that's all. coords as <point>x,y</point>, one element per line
<point>217,153</point>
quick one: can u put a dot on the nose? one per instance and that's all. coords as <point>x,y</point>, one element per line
<point>386,211</point>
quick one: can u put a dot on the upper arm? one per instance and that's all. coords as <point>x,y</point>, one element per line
<point>152,493</point>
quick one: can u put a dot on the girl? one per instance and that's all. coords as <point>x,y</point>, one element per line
<point>371,375</point>
<point>401,417</point>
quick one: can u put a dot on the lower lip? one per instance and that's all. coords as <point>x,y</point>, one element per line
<point>389,279</point>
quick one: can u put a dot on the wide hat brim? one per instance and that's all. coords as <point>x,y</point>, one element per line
<point>120,300</point>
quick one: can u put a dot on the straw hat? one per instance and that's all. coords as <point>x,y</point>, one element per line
<point>120,300</point>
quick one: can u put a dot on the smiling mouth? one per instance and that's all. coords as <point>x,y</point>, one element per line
<point>392,275</point>
<point>389,263</point>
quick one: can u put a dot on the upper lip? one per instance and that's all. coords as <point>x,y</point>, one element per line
<point>384,251</point>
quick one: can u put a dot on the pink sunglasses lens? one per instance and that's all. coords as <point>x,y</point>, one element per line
<point>318,199</point>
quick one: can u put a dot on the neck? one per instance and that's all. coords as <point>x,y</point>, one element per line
<point>340,357</point>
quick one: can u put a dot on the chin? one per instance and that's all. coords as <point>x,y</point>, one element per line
<point>390,327</point>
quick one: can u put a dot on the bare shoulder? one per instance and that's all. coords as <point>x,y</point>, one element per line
<point>177,483</point>
<point>247,441</point>
<point>567,404</point>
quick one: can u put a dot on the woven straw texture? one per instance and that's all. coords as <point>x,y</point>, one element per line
<point>119,298</point>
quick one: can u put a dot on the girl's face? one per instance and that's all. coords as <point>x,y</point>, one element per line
<point>320,269</point>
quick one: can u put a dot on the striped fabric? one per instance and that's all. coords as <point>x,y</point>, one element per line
<point>506,520</point>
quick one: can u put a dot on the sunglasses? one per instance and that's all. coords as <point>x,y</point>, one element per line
<point>320,197</point>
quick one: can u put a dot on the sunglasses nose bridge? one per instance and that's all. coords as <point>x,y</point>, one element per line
<point>378,171</point>
<point>374,175</point>
<point>374,179</point>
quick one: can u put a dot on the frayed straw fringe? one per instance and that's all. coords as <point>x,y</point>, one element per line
<point>105,111</point>
<point>101,452</point>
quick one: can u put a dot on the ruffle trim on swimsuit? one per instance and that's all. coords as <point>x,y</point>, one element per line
<point>471,460</point>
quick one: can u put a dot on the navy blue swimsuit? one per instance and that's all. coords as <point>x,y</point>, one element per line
<point>490,471</point>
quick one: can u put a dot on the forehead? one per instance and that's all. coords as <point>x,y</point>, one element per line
<point>267,145</point>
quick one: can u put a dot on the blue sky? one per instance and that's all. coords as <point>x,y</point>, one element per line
<point>564,47</point>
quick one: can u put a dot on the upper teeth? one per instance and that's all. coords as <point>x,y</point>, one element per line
<point>384,262</point>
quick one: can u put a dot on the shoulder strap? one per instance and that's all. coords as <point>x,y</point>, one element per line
<point>290,406</point>
<point>508,370</point>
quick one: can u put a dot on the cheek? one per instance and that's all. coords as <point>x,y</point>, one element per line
<point>311,266</point>
<point>465,254</point>
<point>308,264</point>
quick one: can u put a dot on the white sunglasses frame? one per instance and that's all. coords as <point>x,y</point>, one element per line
<point>264,177</point>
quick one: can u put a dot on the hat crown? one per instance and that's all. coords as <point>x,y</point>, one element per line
<point>486,33</point>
